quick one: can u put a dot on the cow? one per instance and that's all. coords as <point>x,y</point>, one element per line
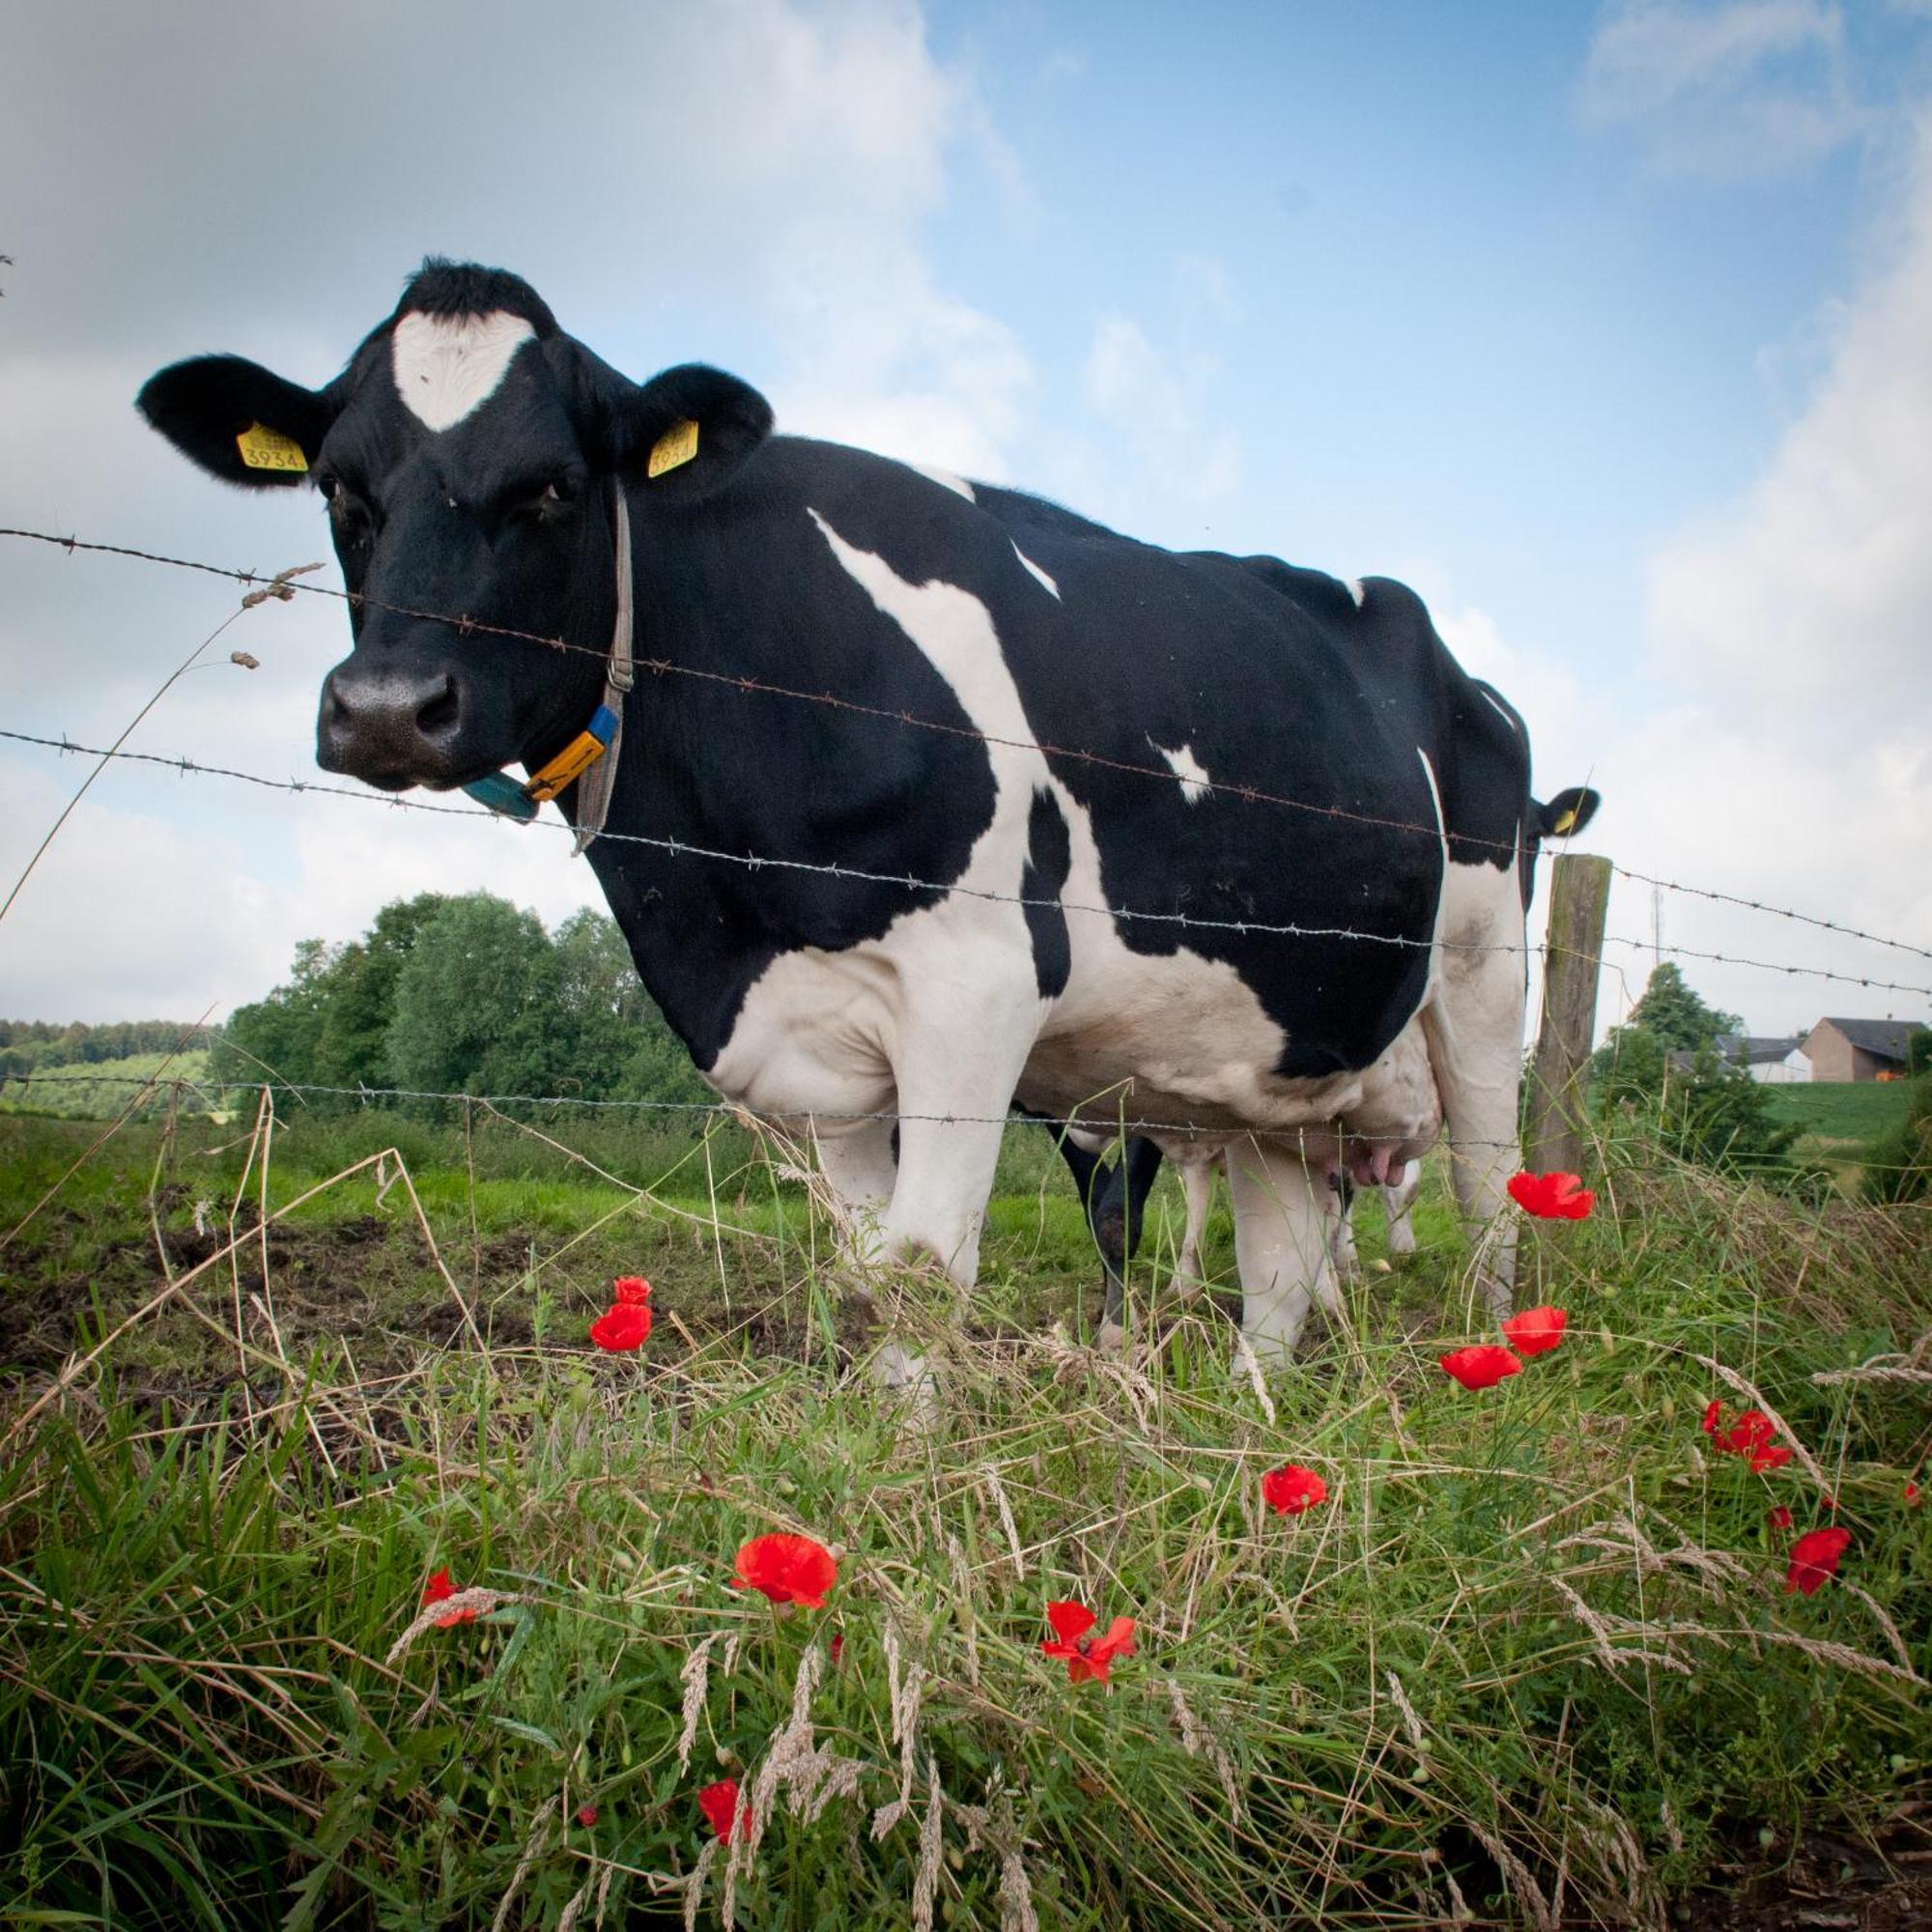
<point>927,796</point>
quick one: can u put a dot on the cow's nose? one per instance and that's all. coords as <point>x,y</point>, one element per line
<point>388,725</point>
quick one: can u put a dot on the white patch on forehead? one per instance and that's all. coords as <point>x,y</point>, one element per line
<point>1195,784</point>
<point>946,480</point>
<point>1356,591</point>
<point>446,366</point>
<point>1034,571</point>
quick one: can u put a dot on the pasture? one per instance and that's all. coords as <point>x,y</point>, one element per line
<point>1533,1661</point>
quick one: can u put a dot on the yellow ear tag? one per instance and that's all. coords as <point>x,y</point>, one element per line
<point>1563,824</point>
<point>676,446</point>
<point>269,449</point>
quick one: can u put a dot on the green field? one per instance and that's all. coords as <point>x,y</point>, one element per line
<point>1532,1663</point>
<point>1841,1115</point>
<point>101,1089</point>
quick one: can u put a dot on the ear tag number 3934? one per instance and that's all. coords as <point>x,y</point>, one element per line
<point>265,448</point>
<point>676,446</point>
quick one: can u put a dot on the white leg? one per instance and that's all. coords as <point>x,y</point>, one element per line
<point>1347,1264</point>
<point>858,1165</point>
<point>1281,1241</point>
<point>1398,1202</point>
<point>1474,1030</point>
<point>1197,1188</point>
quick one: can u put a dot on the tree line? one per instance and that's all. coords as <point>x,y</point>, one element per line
<point>33,1046</point>
<point>464,994</point>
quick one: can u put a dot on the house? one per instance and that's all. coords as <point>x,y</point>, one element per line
<point>1772,1059</point>
<point>1840,1049</point>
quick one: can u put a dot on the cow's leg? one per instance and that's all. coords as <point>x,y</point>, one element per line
<point>1399,1202</point>
<point>859,1166</point>
<point>1280,1242</point>
<point>1340,1205</point>
<point>1474,1030</point>
<point>1197,1188</point>
<point>1117,1210</point>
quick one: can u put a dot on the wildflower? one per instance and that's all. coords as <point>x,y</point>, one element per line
<point>1911,1492</point>
<point>1779,1518</point>
<point>1814,1556</point>
<point>1292,1489</point>
<point>787,1569</point>
<point>721,1809</point>
<point>625,1323</point>
<point>1483,1367</point>
<point>435,1591</point>
<point>1551,1197</point>
<point>1086,1656</point>
<point>1536,1330</point>
<point>1751,1436</point>
<point>587,1815</point>
<point>838,1648</point>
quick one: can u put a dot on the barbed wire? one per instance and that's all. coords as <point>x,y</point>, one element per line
<point>468,625</point>
<point>756,861</point>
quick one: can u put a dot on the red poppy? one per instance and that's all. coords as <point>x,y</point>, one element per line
<point>587,1815</point>
<point>1551,1197</point>
<point>624,1324</point>
<point>1752,1435</point>
<point>630,1290</point>
<point>1536,1330</point>
<point>1086,1656</point>
<point>721,1807</point>
<point>1814,1556</point>
<point>787,1569</point>
<point>1779,1518</point>
<point>1911,1492</point>
<point>838,1647</point>
<point>436,1591</point>
<point>1482,1367</point>
<point>1292,1489</point>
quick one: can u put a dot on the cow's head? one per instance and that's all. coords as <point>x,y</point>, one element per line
<point>470,454</point>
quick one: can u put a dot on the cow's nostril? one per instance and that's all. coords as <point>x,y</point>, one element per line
<point>438,715</point>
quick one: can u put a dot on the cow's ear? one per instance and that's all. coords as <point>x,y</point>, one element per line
<point>690,431</point>
<point>238,421</point>
<point>1568,813</point>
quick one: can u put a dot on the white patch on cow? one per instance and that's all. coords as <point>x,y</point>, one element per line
<point>1503,712</point>
<point>946,480</point>
<point>1357,592</point>
<point>1034,571</point>
<point>445,366</point>
<point>1195,784</point>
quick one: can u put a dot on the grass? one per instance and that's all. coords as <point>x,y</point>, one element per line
<point>1532,1660</point>
<point>99,1089</point>
<point>1840,1116</point>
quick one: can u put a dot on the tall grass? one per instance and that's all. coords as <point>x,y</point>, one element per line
<point>1533,1660</point>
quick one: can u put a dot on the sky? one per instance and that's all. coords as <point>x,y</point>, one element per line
<point>1607,328</point>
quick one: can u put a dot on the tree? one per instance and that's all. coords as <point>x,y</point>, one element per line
<point>278,1037</point>
<point>1675,1017</point>
<point>359,998</point>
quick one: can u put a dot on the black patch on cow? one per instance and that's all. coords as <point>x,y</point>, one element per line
<point>203,404</point>
<point>446,288</point>
<point>1049,857</point>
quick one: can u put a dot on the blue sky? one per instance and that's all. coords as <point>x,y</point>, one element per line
<point>1609,327</point>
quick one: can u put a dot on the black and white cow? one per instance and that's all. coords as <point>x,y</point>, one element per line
<point>1112,927</point>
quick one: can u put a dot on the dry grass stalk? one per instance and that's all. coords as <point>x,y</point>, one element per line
<point>1016,1913</point>
<point>696,1677</point>
<point>997,1490</point>
<point>568,1919</point>
<point>532,1845</point>
<point>1884,1622</point>
<point>905,1728</point>
<point>479,1601</point>
<point>693,1886</point>
<point>1604,1625</point>
<point>1203,1743</point>
<point>931,1842</point>
<point>1244,1354</point>
<point>1458,1906</point>
<point>1522,1881</point>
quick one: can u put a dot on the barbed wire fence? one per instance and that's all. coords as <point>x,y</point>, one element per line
<point>286,584</point>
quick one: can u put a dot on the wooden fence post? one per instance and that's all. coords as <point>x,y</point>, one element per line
<point>1580,898</point>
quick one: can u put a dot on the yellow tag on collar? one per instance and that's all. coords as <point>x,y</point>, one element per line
<point>566,768</point>
<point>1563,824</point>
<point>265,448</point>
<point>676,446</point>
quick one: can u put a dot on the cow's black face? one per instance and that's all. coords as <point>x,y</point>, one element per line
<point>470,455</point>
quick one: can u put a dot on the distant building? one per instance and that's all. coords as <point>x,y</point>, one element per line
<point>1859,1049</point>
<point>1774,1059</point>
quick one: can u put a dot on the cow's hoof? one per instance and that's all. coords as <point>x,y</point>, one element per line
<point>1110,1339</point>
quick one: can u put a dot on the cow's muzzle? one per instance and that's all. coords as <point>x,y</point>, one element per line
<point>393,728</point>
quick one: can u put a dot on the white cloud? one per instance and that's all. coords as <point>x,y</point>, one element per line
<point>1158,406</point>
<point>1753,87</point>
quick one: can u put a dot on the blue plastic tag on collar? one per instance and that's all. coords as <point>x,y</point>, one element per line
<point>500,792</point>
